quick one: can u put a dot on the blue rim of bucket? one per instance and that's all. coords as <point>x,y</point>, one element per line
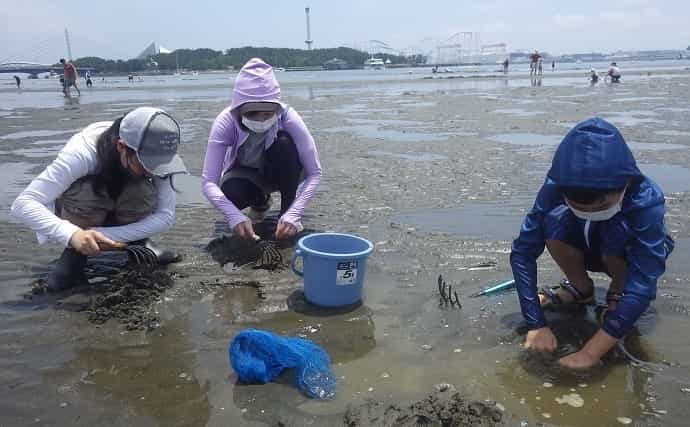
<point>367,251</point>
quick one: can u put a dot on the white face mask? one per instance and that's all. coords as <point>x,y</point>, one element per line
<point>259,127</point>
<point>604,215</point>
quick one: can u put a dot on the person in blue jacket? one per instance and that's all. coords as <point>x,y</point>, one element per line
<point>595,212</point>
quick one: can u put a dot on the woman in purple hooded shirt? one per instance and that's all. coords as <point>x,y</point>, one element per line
<point>259,145</point>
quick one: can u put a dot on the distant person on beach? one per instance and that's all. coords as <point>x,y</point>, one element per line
<point>540,66</point>
<point>595,212</point>
<point>593,76</point>
<point>70,76</point>
<point>89,83</point>
<point>506,63</point>
<point>259,145</point>
<point>534,59</point>
<point>614,73</point>
<point>553,66</point>
<point>18,81</point>
<point>110,184</point>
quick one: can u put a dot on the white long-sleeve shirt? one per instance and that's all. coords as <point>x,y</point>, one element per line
<point>35,206</point>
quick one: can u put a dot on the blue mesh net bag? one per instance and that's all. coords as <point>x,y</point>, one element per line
<point>260,356</point>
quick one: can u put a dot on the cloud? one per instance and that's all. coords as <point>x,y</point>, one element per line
<point>571,21</point>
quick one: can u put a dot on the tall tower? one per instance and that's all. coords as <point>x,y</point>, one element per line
<point>69,45</point>
<point>308,41</point>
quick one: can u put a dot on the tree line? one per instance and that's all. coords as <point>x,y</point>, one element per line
<point>209,59</point>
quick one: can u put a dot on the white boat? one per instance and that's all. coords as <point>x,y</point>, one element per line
<point>374,64</point>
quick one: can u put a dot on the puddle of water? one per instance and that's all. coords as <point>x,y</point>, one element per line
<point>15,177</point>
<point>471,219</point>
<point>37,133</point>
<point>417,104</point>
<point>35,153</point>
<point>637,98</point>
<point>60,142</point>
<point>526,139</point>
<point>386,122</point>
<point>567,125</point>
<point>189,191</point>
<point>672,132</point>
<point>356,108</point>
<point>116,110</point>
<point>674,109</point>
<point>374,132</point>
<point>519,112</point>
<point>632,118</point>
<point>671,178</point>
<point>533,139</point>
<point>415,157</point>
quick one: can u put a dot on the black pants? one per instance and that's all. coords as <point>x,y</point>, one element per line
<point>282,170</point>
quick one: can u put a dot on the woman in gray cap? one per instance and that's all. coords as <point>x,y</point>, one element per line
<point>109,185</point>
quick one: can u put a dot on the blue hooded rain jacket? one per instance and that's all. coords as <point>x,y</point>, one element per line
<point>594,154</point>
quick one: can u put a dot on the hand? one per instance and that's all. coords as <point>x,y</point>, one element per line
<point>115,246</point>
<point>245,230</point>
<point>579,360</point>
<point>285,230</point>
<point>87,242</point>
<point>541,339</point>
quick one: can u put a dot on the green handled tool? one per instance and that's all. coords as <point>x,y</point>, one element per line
<point>504,286</point>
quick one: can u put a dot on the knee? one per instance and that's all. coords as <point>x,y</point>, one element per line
<point>284,144</point>
<point>233,189</point>
<point>563,249</point>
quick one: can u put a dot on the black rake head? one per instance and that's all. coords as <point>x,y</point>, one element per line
<point>141,255</point>
<point>447,295</point>
<point>269,255</point>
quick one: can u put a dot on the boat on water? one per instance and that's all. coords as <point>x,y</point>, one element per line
<point>374,64</point>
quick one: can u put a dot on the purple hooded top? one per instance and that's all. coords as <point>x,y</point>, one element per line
<point>256,83</point>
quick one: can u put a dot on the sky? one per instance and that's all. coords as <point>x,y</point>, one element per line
<point>34,30</point>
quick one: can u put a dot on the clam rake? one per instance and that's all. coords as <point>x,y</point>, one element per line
<point>269,255</point>
<point>140,254</point>
<point>446,293</point>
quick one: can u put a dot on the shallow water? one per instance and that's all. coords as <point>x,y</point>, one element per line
<point>519,112</point>
<point>411,156</point>
<point>469,220</point>
<point>553,140</point>
<point>37,133</point>
<point>374,131</point>
<point>671,178</point>
<point>405,169</point>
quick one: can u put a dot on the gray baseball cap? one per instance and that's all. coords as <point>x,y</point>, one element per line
<point>154,135</point>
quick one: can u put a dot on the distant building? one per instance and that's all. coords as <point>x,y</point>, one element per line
<point>336,64</point>
<point>152,50</point>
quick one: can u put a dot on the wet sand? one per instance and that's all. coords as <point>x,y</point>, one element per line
<point>438,177</point>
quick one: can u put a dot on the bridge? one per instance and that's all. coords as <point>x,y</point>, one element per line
<point>34,69</point>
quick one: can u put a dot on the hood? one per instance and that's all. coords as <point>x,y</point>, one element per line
<point>594,155</point>
<point>255,83</point>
